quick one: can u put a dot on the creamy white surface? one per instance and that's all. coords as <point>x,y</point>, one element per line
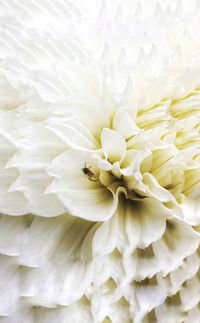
<point>112,86</point>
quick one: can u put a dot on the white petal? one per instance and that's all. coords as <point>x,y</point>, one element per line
<point>13,203</point>
<point>140,223</point>
<point>133,162</point>
<point>178,242</point>
<point>74,135</point>
<point>9,285</point>
<point>191,210</point>
<point>155,190</point>
<point>80,195</point>
<point>123,123</point>
<point>11,227</point>
<point>56,250</point>
<point>113,144</point>
<point>91,204</point>
<point>105,238</point>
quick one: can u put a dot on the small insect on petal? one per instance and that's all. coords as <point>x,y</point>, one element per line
<point>90,175</point>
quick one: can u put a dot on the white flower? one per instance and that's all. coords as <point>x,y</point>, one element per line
<point>99,161</point>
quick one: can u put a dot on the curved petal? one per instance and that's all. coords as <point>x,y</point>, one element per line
<point>155,190</point>
<point>11,228</point>
<point>187,270</point>
<point>178,242</point>
<point>123,123</point>
<point>113,144</point>
<point>191,210</point>
<point>9,286</point>
<point>132,162</point>
<point>81,130</point>
<point>140,223</point>
<point>55,245</point>
<point>81,194</point>
<point>13,203</point>
<point>105,238</point>
<point>73,134</point>
<point>67,169</point>
<point>91,204</point>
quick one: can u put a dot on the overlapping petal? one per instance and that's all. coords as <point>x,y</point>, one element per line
<point>99,161</point>
<point>81,194</point>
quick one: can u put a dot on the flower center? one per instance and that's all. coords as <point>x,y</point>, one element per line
<point>145,155</point>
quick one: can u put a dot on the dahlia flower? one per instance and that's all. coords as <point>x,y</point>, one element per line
<point>99,161</point>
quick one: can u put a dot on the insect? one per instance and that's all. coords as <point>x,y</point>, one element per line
<point>90,175</point>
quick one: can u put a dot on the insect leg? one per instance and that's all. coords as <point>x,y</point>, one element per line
<point>86,166</point>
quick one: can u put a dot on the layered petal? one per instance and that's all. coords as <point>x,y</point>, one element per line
<point>81,194</point>
<point>113,145</point>
<point>99,161</point>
